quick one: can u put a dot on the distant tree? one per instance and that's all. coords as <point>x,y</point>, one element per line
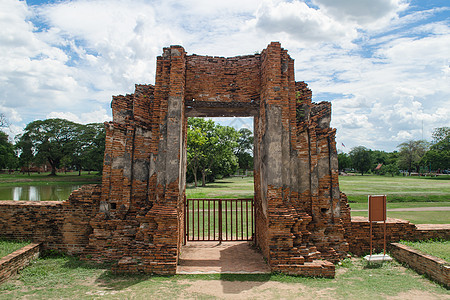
<point>197,138</point>
<point>410,154</point>
<point>8,158</point>
<point>25,148</point>
<point>95,150</point>
<point>3,120</point>
<point>361,159</point>
<point>441,134</point>
<point>244,150</point>
<point>89,147</point>
<point>378,157</point>
<point>344,161</point>
<point>392,158</point>
<point>51,140</point>
<point>224,151</point>
<point>391,169</point>
<point>210,148</point>
<point>438,156</point>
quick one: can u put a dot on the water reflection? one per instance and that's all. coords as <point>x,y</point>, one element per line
<point>37,193</point>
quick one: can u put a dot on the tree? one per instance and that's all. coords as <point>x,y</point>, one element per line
<point>244,150</point>
<point>441,134</point>
<point>95,151</point>
<point>196,143</point>
<point>210,149</point>
<point>89,147</point>
<point>438,157</point>
<point>8,158</point>
<point>344,161</point>
<point>26,156</point>
<point>3,121</point>
<point>391,169</point>
<point>51,140</point>
<point>225,161</point>
<point>410,154</point>
<point>63,143</point>
<point>361,159</point>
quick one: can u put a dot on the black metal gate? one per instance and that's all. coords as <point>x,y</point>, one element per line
<point>219,219</point>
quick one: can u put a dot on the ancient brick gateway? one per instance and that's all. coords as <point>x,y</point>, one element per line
<point>300,214</point>
<point>135,217</point>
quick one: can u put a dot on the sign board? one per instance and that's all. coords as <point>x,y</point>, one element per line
<point>377,208</point>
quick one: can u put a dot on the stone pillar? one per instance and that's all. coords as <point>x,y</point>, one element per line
<point>170,166</point>
<point>275,156</point>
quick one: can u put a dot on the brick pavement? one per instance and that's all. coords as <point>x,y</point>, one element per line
<point>228,257</point>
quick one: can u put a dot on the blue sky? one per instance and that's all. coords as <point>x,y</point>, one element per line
<point>384,64</point>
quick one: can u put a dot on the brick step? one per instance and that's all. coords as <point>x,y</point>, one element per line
<point>316,268</point>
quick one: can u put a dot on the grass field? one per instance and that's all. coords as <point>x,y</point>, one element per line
<point>69,178</point>
<point>416,217</point>
<point>402,192</point>
<point>7,246</point>
<point>204,218</point>
<point>232,187</point>
<point>439,249</point>
<point>69,278</point>
<point>397,189</point>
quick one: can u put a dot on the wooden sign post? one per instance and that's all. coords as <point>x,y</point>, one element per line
<point>377,212</point>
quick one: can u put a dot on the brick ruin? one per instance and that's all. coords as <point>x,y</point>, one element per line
<point>300,213</point>
<point>135,219</point>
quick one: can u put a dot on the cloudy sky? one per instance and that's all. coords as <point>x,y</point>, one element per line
<point>384,64</point>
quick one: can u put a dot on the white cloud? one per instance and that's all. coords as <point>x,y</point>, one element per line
<point>362,11</point>
<point>386,64</point>
<point>301,22</point>
<point>96,116</point>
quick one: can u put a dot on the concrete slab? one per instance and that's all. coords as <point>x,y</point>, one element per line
<point>225,258</point>
<point>379,258</point>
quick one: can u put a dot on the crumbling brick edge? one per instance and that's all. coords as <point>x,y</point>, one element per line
<point>12,263</point>
<point>434,267</point>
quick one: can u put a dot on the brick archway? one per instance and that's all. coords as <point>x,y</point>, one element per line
<point>300,214</point>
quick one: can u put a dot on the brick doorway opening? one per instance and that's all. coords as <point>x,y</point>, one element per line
<point>219,233</point>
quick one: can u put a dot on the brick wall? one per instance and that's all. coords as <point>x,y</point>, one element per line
<point>436,268</point>
<point>432,231</point>
<point>12,263</point>
<point>357,233</point>
<point>63,226</point>
<point>220,79</point>
<point>359,238</point>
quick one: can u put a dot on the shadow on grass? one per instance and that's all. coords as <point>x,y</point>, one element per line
<point>440,177</point>
<point>73,268</point>
<point>210,185</point>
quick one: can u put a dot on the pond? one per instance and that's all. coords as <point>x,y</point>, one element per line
<point>37,193</point>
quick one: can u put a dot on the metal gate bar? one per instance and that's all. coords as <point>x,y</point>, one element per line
<point>219,219</point>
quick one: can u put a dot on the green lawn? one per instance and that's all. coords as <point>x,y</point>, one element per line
<point>203,220</point>
<point>8,246</point>
<point>69,178</point>
<point>416,217</point>
<point>439,249</point>
<point>397,189</point>
<point>69,278</point>
<point>402,205</point>
<point>232,187</point>
<point>402,192</point>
